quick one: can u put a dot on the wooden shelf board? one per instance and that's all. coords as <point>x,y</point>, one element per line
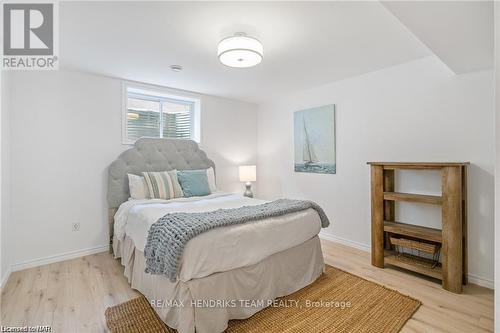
<point>418,165</point>
<point>429,234</point>
<point>390,259</point>
<point>409,197</point>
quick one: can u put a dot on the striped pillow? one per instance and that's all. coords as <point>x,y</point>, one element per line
<point>175,184</point>
<point>161,185</point>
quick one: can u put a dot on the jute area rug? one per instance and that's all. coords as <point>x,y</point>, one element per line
<point>337,302</point>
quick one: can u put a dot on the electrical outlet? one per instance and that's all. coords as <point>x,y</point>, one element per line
<point>76,226</point>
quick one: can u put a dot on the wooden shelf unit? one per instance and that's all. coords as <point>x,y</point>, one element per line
<point>453,236</point>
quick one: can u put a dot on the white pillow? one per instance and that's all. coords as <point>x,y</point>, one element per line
<point>211,179</point>
<point>137,186</point>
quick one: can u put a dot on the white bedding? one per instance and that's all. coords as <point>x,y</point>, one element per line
<point>220,249</point>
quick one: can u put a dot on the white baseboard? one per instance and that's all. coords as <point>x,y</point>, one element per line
<point>344,241</point>
<point>58,257</point>
<point>5,278</point>
<point>480,281</point>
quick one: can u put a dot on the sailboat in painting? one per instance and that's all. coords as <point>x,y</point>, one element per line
<point>308,154</point>
<point>314,136</point>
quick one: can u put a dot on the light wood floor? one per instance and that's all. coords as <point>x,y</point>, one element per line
<point>72,295</point>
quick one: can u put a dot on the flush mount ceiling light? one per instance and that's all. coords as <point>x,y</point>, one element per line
<point>240,51</point>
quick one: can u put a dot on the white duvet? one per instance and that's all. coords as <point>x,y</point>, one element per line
<point>223,248</point>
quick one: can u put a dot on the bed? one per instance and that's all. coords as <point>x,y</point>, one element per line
<point>226,273</point>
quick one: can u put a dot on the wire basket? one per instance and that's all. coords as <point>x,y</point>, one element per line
<point>417,252</point>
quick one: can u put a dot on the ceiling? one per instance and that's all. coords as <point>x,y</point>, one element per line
<point>460,33</point>
<point>305,44</point>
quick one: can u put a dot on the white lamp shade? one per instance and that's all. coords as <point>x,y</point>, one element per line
<point>248,173</point>
<point>240,51</point>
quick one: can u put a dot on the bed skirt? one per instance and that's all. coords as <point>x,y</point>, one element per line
<point>207,304</point>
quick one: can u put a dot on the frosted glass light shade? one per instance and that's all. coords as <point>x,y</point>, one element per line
<point>248,173</point>
<point>240,51</point>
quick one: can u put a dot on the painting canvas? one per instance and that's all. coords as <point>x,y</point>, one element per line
<point>314,135</point>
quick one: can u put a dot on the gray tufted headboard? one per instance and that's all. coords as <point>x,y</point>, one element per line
<point>149,154</point>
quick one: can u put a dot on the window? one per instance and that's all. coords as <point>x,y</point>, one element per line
<point>153,113</point>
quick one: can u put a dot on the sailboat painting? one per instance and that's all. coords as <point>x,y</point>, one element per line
<point>314,135</point>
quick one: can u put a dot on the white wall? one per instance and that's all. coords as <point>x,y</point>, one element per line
<point>497,166</point>
<point>5,225</point>
<point>65,130</point>
<point>418,111</point>
<point>3,263</point>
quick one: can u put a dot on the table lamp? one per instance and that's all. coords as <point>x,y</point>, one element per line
<point>248,174</point>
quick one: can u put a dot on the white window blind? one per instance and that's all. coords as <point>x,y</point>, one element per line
<point>143,118</point>
<point>177,119</point>
<point>158,116</point>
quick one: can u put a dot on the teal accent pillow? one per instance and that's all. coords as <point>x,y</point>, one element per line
<point>194,183</point>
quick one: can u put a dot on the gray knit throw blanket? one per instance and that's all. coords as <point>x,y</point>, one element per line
<point>169,235</point>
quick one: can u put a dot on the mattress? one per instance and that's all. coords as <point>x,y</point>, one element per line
<point>221,249</point>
